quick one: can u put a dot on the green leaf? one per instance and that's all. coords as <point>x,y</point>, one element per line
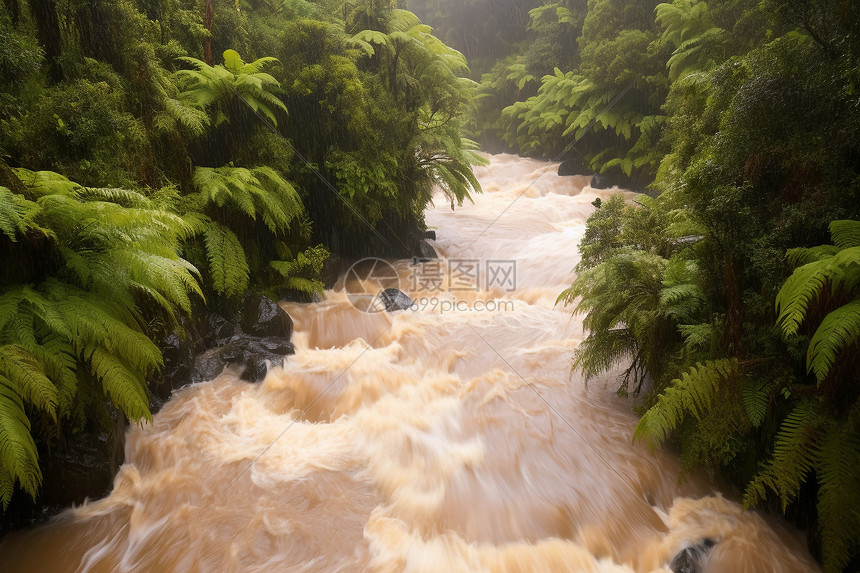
<point>227,263</point>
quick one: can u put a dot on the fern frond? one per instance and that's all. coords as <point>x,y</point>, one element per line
<point>22,373</point>
<point>42,183</point>
<point>839,494</point>
<point>227,263</point>
<point>803,255</point>
<point>124,197</point>
<point>167,279</point>
<point>19,459</point>
<point>57,357</point>
<point>602,350</point>
<point>122,383</point>
<point>193,120</point>
<point>693,394</point>
<point>810,281</point>
<point>94,322</point>
<point>9,302</point>
<point>795,451</point>
<point>755,399</point>
<point>845,233</point>
<point>839,330</point>
<point>16,212</point>
<point>696,335</point>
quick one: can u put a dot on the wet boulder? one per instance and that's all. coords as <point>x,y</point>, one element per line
<point>639,180</point>
<point>692,559</point>
<point>178,354</point>
<point>253,354</point>
<point>611,178</point>
<point>217,330</point>
<point>574,166</point>
<point>426,251</point>
<point>393,299</point>
<point>262,317</point>
<point>254,339</point>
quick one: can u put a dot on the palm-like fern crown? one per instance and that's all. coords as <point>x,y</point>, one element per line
<point>428,75</point>
<point>79,321</point>
<point>688,27</point>
<point>211,86</point>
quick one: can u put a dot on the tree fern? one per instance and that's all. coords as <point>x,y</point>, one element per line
<point>100,253</point>
<point>687,26</point>
<point>207,86</point>
<point>693,393</point>
<point>222,198</point>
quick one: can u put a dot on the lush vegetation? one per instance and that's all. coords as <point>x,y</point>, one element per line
<point>730,294</point>
<point>156,154</point>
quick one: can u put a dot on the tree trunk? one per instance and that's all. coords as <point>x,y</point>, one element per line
<point>48,28</point>
<point>208,19</point>
<point>734,320</point>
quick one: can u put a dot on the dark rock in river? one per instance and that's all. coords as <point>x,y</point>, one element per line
<point>253,339</point>
<point>426,251</point>
<point>264,318</point>
<point>611,178</point>
<point>395,299</point>
<point>574,166</point>
<point>692,559</point>
<point>638,180</point>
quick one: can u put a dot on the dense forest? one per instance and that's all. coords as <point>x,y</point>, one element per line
<point>156,154</point>
<point>730,293</point>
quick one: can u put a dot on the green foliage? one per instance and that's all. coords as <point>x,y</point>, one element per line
<point>689,29</point>
<point>222,197</point>
<point>392,97</point>
<point>217,86</point>
<point>742,345</point>
<point>833,273</point>
<point>228,267</point>
<point>300,270</point>
<point>76,315</point>
<point>693,393</point>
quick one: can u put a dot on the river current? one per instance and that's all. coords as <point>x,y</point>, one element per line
<point>444,438</point>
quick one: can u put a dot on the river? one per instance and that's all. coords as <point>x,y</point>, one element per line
<point>448,437</point>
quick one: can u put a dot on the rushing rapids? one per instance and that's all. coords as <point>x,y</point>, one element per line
<point>449,437</point>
